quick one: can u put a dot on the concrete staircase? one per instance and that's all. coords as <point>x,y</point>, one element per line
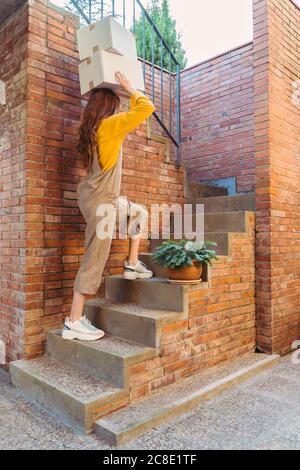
<point>82,382</point>
<point>79,381</point>
<point>223,214</point>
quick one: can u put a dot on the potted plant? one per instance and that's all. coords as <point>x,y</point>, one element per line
<point>184,259</point>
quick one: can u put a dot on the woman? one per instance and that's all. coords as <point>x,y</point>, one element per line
<point>101,134</point>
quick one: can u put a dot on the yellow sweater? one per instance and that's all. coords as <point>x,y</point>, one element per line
<point>113,130</point>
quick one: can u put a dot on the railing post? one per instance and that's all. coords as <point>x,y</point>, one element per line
<point>170,94</point>
<point>133,15</point>
<point>161,81</point>
<point>90,10</point>
<point>144,46</point>
<point>153,69</point>
<point>178,112</point>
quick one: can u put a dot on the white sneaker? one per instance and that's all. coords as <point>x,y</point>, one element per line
<point>81,329</point>
<point>139,271</point>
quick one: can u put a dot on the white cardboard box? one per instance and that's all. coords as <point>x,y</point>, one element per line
<point>107,34</point>
<point>98,71</point>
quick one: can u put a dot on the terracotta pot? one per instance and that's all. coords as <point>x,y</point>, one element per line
<point>189,273</point>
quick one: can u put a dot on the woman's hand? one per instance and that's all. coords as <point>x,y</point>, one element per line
<point>125,84</point>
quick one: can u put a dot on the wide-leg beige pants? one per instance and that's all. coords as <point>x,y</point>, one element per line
<point>97,189</point>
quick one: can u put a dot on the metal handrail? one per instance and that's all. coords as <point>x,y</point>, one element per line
<point>172,129</point>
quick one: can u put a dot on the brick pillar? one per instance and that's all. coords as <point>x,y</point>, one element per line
<point>42,231</point>
<point>53,236</point>
<point>13,76</point>
<point>277,150</point>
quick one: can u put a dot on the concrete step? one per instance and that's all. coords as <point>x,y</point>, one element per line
<point>72,396</point>
<point>219,222</point>
<point>225,222</point>
<point>155,293</point>
<point>132,322</point>
<point>243,202</point>
<point>176,399</point>
<point>107,359</point>
<point>193,190</point>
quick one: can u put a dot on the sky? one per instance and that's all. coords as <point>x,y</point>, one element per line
<point>209,27</point>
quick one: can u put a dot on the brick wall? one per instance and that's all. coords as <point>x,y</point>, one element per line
<point>217,118</point>
<point>53,227</point>
<point>42,231</point>
<point>13,56</point>
<point>277,150</point>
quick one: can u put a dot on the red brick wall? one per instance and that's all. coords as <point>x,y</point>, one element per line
<point>13,54</point>
<point>277,150</point>
<point>217,118</point>
<point>53,226</point>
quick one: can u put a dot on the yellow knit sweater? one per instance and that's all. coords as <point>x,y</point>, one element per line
<point>113,130</point>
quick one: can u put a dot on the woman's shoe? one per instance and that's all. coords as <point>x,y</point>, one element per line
<point>81,329</point>
<point>139,271</point>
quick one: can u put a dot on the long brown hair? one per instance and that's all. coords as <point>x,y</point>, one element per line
<point>102,103</point>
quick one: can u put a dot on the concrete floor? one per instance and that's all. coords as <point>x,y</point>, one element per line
<point>262,413</point>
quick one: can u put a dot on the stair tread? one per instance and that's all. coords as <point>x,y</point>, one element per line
<point>153,280</point>
<point>66,377</point>
<point>174,395</point>
<point>218,233</point>
<point>227,197</point>
<point>222,213</point>
<point>114,345</point>
<point>132,308</point>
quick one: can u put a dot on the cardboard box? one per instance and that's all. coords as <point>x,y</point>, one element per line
<point>98,71</point>
<point>109,35</point>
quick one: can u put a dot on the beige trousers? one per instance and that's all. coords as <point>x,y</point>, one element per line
<point>100,202</point>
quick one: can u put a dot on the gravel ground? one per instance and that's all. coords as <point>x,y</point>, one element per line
<point>262,413</point>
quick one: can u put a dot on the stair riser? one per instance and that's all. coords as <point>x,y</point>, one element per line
<point>216,222</point>
<point>193,191</point>
<point>157,270</point>
<point>131,327</point>
<point>99,364</point>
<point>153,295</point>
<point>222,241</point>
<point>228,204</point>
<point>69,410</point>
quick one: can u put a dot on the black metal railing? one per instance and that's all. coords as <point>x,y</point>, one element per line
<point>128,13</point>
